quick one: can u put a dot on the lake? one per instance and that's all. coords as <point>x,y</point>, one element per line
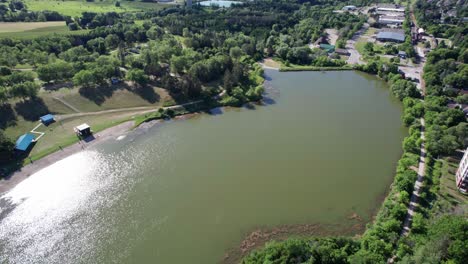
<point>317,158</point>
<point>219,3</point>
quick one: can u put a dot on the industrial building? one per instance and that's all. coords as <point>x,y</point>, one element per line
<point>391,20</point>
<point>389,35</point>
<point>390,8</point>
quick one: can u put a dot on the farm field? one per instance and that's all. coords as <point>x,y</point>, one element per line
<point>25,26</point>
<point>74,8</point>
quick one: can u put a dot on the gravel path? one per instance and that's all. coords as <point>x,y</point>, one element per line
<point>355,57</point>
<point>414,201</point>
<point>67,104</point>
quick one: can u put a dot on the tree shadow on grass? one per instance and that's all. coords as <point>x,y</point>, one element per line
<point>147,93</point>
<point>32,109</point>
<point>98,94</point>
<point>101,93</point>
<point>7,116</point>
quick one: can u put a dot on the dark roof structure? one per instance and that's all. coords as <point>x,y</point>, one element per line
<point>396,36</point>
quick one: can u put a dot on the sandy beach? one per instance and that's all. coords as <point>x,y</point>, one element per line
<point>28,170</point>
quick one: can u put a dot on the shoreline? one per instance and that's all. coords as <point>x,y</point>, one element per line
<point>8,183</point>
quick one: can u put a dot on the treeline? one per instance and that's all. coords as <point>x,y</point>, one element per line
<point>6,149</point>
<point>314,250</point>
<point>17,84</point>
<point>445,74</point>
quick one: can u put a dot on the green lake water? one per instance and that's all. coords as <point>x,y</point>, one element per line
<point>323,148</point>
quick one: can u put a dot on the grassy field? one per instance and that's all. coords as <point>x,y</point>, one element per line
<point>74,8</point>
<point>41,32</point>
<point>24,30</point>
<point>19,117</point>
<point>106,98</point>
<point>61,134</point>
<point>448,188</point>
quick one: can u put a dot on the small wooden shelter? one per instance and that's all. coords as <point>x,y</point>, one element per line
<point>83,130</point>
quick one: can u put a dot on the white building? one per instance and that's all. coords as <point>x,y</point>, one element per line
<point>393,10</point>
<point>391,20</point>
<point>462,174</point>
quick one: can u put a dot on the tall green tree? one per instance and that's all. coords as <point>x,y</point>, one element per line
<point>137,76</point>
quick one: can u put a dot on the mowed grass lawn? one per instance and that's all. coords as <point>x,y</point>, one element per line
<point>61,134</point>
<point>74,8</point>
<point>24,30</point>
<point>105,98</point>
<point>448,186</point>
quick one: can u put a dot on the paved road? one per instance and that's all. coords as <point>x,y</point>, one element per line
<point>414,201</point>
<point>355,57</point>
<point>413,72</point>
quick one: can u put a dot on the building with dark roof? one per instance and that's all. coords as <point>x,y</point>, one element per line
<point>391,35</point>
<point>402,54</point>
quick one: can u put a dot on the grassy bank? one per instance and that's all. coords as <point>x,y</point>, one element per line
<point>165,113</point>
<point>314,68</point>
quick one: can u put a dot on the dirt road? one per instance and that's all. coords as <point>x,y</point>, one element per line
<point>355,57</point>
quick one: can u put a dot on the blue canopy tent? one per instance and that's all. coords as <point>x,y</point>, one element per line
<point>24,142</point>
<point>47,119</point>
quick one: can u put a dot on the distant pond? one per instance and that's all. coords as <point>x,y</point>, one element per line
<point>219,3</point>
